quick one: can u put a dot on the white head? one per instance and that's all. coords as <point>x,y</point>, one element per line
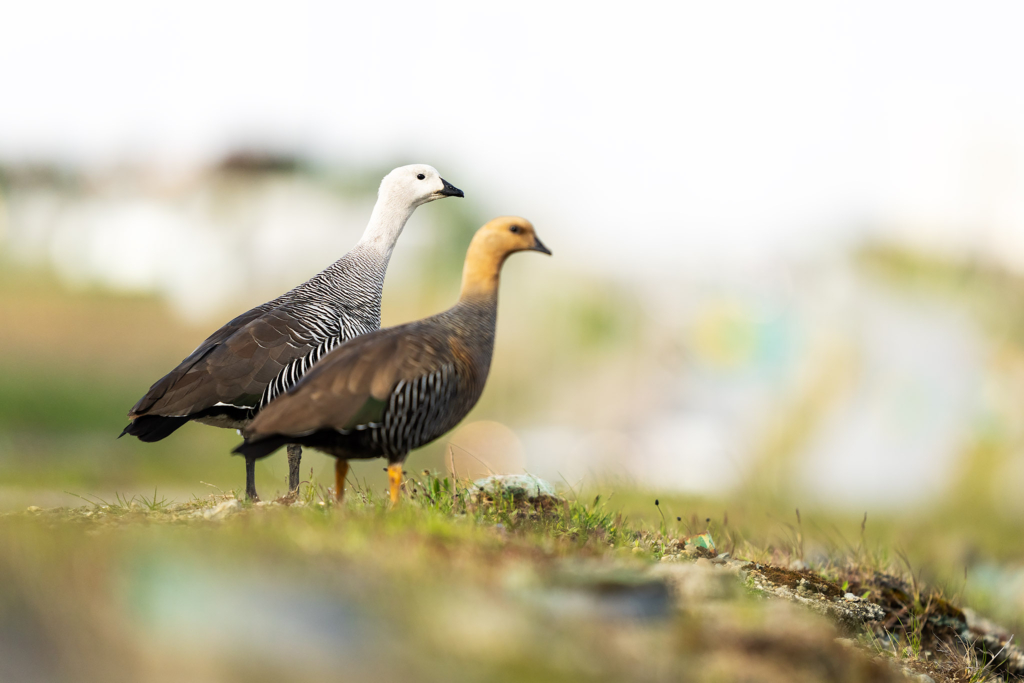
<point>400,193</point>
<point>414,185</point>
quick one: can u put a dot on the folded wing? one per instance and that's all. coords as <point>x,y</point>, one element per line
<point>233,366</point>
<point>351,385</point>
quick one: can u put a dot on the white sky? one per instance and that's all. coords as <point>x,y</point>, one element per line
<point>675,133</point>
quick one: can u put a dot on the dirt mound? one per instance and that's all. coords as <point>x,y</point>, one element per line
<point>896,611</point>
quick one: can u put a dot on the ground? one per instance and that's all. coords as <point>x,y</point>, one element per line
<point>455,584</point>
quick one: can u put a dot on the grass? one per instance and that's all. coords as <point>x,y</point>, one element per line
<point>454,584</point>
<point>123,504</point>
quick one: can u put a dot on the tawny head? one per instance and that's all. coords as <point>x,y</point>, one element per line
<point>416,184</point>
<point>506,235</point>
<point>491,245</point>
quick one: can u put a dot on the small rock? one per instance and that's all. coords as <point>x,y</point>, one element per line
<point>222,510</point>
<point>850,597</point>
<point>851,615</point>
<point>846,642</point>
<point>798,565</point>
<point>32,508</point>
<point>736,568</point>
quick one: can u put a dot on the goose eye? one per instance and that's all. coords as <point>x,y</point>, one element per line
<point>420,176</point>
<point>515,229</point>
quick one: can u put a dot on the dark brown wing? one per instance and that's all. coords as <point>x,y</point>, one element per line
<point>234,365</point>
<point>352,383</point>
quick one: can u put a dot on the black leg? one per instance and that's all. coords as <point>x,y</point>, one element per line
<point>294,458</point>
<point>250,479</point>
<point>340,472</point>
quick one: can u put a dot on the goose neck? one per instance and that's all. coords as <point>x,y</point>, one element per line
<point>385,227</point>
<point>481,273</point>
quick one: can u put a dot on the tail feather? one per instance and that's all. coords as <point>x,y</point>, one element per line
<point>263,447</point>
<point>151,428</point>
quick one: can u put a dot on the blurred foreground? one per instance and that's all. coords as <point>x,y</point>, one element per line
<point>453,586</point>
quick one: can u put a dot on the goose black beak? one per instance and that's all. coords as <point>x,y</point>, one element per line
<point>539,246</point>
<point>449,190</point>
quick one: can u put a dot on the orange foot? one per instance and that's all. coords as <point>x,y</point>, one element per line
<point>395,481</point>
